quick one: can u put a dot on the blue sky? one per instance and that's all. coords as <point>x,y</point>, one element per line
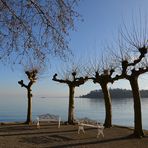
<point>102,20</point>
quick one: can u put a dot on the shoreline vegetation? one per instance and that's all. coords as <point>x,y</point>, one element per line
<point>115,93</point>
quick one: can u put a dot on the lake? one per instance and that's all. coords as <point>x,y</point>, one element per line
<point>14,109</point>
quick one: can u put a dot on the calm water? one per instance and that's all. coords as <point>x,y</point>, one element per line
<point>14,109</point>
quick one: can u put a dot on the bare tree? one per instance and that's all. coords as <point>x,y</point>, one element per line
<point>72,79</point>
<point>32,72</point>
<point>131,72</point>
<point>101,73</point>
<point>133,63</point>
<point>35,28</point>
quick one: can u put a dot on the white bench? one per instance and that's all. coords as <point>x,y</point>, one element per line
<point>48,118</point>
<point>99,127</point>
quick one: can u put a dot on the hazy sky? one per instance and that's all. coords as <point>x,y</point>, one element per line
<point>102,19</point>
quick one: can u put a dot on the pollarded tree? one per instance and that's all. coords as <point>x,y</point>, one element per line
<point>132,64</point>
<point>102,75</point>
<point>35,28</point>
<point>72,80</point>
<point>131,71</point>
<point>32,72</point>
<point>32,76</point>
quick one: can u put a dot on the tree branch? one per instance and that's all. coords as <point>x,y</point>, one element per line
<point>22,84</point>
<point>142,51</point>
<point>60,80</point>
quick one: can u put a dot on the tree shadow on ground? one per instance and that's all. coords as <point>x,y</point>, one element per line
<point>29,131</point>
<point>45,139</point>
<point>81,143</point>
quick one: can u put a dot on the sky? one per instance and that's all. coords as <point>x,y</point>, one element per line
<point>101,22</point>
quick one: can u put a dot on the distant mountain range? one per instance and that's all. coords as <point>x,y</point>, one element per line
<point>115,93</point>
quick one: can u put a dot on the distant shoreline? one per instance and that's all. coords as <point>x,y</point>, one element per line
<point>115,93</point>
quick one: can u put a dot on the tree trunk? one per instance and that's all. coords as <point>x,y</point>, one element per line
<point>71,105</point>
<point>108,106</point>
<point>29,110</point>
<point>138,132</point>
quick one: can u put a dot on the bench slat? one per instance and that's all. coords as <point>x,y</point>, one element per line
<point>91,125</point>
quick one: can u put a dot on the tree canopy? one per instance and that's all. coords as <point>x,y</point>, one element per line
<point>34,28</point>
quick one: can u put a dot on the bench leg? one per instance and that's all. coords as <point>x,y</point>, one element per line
<point>59,122</point>
<point>81,128</point>
<point>38,124</point>
<point>100,132</point>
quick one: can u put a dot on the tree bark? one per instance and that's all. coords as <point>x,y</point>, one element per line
<point>108,106</point>
<point>138,132</point>
<point>29,110</point>
<point>71,105</point>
